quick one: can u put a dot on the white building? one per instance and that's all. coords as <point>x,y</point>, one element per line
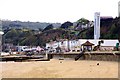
<point>119,9</point>
<point>76,45</point>
<point>64,45</point>
<point>97,25</point>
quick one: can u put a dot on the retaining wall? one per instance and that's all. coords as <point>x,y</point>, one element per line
<point>99,57</point>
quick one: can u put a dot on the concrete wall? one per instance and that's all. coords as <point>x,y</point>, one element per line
<point>101,57</point>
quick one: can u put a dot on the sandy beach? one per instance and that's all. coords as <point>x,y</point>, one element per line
<point>60,69</point>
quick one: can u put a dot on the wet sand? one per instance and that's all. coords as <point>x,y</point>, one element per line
<point>60,69</point>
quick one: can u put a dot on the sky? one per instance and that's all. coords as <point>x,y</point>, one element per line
<point>56,10</point>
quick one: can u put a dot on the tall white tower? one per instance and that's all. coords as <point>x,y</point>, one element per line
<point>97,25</point>
<point>119,9</point>
<point>1,33</point>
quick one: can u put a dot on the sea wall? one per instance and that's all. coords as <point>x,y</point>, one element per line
<point>97,56</point>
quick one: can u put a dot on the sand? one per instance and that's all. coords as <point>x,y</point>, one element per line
<point>60,69</point>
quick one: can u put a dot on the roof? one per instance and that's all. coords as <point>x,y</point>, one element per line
<point>87,43</point>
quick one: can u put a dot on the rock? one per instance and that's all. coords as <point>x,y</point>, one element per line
<point>97,63</point>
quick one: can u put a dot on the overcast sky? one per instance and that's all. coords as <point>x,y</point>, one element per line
<point>56,10</point>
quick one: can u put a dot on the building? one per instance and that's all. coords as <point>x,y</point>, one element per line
<point>119,9</point>
<point>1,33</point>
<point>87,46</point>
<point>77,45</point>
<point>106,18</point>
<point>66,45</point>
<point>97,25</point>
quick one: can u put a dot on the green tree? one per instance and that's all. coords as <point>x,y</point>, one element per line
<point>66,25</point>
<point>11,34</point>
<point>49,27</point>
<point>83,21</point>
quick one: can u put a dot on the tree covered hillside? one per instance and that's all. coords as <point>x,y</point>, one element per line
<point>7,24</point>
<point>110,29</point>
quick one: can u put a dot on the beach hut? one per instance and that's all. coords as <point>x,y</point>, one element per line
<point>87,45</point>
